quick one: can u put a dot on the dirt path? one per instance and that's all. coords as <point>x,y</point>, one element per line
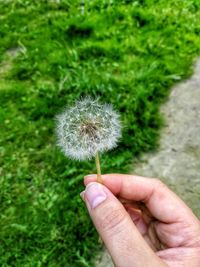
<point>177,162</point>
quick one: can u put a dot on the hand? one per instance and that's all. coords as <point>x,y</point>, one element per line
<point>142,222</point>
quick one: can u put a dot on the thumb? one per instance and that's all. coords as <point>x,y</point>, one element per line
<point>122,239</point>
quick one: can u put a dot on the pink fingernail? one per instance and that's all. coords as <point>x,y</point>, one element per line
<point>90,175</point>
<point>95,194</point>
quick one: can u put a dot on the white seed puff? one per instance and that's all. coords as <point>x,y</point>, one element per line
<point>87,128</point>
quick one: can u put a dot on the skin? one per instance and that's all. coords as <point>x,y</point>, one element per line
<point>142,222</point>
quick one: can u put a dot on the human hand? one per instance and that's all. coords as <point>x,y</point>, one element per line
<point>142,222</point>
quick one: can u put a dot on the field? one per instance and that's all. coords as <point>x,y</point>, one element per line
<point>128,53</point>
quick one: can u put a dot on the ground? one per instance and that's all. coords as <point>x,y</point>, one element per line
<point>127,53</point>
<point>177,162</point>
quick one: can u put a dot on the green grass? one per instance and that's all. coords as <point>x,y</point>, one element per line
<point>129,53</point>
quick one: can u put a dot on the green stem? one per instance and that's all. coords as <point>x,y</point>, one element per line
<point>99,179</point>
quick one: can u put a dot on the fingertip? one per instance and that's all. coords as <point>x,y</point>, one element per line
<point>90,178</point>
<point>111,181</point>
<point>82,195</point>
<point>106,178</point>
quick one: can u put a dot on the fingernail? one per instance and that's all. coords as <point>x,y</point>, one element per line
<point>82,195</point>
<point>95,194</point>
<point>90,175</point>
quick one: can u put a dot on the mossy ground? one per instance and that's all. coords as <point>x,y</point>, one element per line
<point>128,53</point>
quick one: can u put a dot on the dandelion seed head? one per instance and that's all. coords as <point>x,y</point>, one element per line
<point>86,128</point>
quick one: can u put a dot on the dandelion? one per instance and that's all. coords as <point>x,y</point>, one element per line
<point>86,129</point>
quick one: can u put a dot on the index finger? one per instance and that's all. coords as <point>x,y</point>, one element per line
<point>164,204</point>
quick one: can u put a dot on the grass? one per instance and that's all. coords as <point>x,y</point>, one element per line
<point>127,52</point>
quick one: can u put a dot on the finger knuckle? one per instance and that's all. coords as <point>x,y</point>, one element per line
<point>112,220</point>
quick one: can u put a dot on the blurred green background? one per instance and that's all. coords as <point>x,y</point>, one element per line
<point>129,53</point>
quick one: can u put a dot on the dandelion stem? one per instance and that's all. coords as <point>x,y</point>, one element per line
<point>99,179</point>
